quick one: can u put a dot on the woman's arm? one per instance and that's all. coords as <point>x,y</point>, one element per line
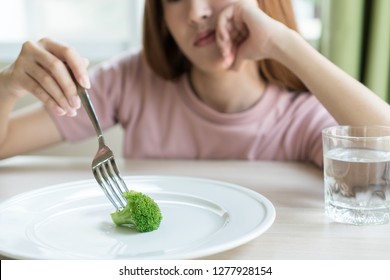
<point>28,129</point>
<point>245,32</point>
<point>41,69</point>
<point>349,101</point>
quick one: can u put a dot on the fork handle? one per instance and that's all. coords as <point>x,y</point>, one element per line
<point>87,104</point>
<point>86,101</point>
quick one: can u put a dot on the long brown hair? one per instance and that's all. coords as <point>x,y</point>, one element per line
<point>166,59</point>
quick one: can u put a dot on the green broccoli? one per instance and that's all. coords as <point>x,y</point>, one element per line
<point>141,212</point>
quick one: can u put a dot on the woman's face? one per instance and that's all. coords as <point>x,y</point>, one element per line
<point>192,24</point>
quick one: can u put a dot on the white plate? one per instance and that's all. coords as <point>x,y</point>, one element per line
<point>72,221</point>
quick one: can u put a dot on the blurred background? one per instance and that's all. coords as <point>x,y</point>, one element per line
<point>354,34</point>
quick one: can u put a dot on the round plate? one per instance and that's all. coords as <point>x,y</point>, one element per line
<point>72,221</point>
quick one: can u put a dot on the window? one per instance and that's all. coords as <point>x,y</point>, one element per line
<point>308,14</point>
<point>97,28</point>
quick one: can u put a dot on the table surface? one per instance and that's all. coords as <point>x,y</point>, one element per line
<point>300,231</point>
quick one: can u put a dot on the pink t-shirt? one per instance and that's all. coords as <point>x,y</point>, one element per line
<point>165,119</point>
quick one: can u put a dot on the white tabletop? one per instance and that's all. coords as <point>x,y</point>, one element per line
<point>300,231</point>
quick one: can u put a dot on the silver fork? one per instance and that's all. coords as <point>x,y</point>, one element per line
<point>104,168</point>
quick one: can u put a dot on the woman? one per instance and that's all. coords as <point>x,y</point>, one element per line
<point>216,80</point>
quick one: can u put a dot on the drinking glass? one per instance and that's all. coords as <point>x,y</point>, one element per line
<point>357,174</point>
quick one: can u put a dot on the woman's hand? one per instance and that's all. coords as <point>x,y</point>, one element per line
<point>245,32</point>
<point>41,69</point>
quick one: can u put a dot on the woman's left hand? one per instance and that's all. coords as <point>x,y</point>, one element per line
<point>245,32</point>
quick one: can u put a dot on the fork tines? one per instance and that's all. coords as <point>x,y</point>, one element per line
<point>108,177</point>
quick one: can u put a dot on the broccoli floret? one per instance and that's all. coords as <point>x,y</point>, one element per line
<point>141,212</point>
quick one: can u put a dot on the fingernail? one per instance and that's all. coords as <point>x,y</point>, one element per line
<point>225,53</point>
<point>85,82</point>
<point>86,61</point>
<point>59,111</point>
<point>71,112</point>
<point>75,102</point>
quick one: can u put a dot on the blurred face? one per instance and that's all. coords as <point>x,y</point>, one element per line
<point>192,24</point>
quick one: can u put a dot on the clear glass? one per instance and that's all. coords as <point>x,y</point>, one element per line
<point>357,174</point>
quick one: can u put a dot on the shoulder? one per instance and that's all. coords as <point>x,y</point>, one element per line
<point>127,68</point>
<point>302,102</point>
<point>302,111</point>
<point>122,62</point>
<point>304,118</point>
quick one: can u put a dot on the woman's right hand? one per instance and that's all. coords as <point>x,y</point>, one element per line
<point>41,69</point>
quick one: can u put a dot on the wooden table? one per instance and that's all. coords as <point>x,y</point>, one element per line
<point>300,231</point>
